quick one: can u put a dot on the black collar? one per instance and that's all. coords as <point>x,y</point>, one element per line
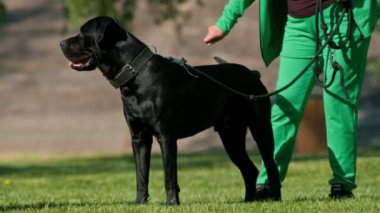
<point>130,70</point>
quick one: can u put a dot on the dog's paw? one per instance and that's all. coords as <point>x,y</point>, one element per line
<point>248,199</point>
<point>173,202</point>
<point>142,199</point>
<point>265,193</point>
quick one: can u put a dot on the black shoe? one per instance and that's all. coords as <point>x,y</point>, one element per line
<point>263,193</point>
<point>339,192</point>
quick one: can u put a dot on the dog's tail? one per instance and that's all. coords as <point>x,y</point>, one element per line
<point>222,61</point>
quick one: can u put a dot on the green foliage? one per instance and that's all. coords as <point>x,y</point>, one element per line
<point>378,23</point>
<point>162,10</point>
<point>2,11</point>
<point>165,9</point>
<point>209,183</point>
<point>78,11</point>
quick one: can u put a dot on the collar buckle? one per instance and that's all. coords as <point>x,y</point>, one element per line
<point>130,70</point>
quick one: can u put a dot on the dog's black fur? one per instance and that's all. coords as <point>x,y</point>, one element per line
<point>164,101</point>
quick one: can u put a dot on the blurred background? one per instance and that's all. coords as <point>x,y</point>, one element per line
<point>47,107</point>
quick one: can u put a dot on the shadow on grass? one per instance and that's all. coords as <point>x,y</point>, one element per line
<point>357,198</point>
<point>78,166</point>
<point>86,204</point>
<point>125,163</point>
<point>59,205</point>
<point>108,164</point>
<point>366,152</point>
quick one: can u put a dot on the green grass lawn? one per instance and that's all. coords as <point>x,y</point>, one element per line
<point>209,183</point>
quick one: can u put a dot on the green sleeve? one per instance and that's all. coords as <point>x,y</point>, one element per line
<point>233,10</point>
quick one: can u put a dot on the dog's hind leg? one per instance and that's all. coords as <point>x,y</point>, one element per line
<point>261,129</point>
<point>233,138</point>
<point>142,146</point>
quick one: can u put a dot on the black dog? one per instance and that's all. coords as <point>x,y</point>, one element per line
<point>166,100</point>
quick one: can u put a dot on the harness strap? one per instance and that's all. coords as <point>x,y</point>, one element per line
<point>130,70</point>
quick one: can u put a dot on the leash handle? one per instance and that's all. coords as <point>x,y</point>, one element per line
<point>337,67</point>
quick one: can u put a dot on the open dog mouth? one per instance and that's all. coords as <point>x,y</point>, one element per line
<point>81,63</point>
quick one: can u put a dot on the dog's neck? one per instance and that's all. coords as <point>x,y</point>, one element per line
<point>133,54</point>
<point>130,48</point>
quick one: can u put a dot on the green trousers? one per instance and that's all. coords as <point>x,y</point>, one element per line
<point>341,113</point>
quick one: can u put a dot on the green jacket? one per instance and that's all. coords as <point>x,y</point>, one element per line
<point>273,15</point>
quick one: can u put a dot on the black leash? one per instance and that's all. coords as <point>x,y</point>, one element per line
<point>335,65</point>
<point>329,42</point>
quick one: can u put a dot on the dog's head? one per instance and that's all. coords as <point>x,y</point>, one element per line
<point>94,45</point>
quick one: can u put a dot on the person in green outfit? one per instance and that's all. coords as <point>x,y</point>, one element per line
<point>288,29</point>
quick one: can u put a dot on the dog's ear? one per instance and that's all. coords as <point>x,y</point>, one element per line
<point>109,34</point>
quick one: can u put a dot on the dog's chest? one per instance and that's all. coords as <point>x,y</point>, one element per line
<point>142,110</point>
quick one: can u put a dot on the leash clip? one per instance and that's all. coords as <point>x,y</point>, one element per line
<point>332,58</point>
<point>182,62</point>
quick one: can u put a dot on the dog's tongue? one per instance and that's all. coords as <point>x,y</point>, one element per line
<point>79,63</point>
<point>75,64</point>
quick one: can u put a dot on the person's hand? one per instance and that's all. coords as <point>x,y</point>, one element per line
<point>214,35</point>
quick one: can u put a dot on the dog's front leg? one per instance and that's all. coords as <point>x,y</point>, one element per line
<point>169,156</point>
<point>142,147</point>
